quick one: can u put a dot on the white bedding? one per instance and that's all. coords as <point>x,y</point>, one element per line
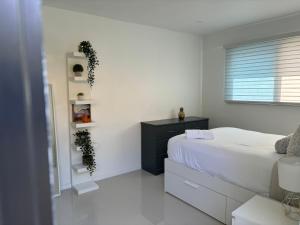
<point>242,157</point>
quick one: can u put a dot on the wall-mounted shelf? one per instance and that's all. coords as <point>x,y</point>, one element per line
<point>76,55</point>
<point>78,79</point>
<point>85,187</point>
<point>78,125</point>
<point>76,148</point>
<point>79,168</point>
<point>81,102</point>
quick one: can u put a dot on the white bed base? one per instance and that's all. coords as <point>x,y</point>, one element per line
<point>207,193</point>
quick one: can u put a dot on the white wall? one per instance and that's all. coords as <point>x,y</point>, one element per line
<point>146,73</point>
<point>265,118</point>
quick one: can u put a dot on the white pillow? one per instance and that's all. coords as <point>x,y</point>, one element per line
<point>294,145</point>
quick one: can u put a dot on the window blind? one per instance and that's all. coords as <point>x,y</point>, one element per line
<point>266,71</point>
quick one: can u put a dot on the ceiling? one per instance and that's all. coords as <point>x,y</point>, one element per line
<point>194,16</point>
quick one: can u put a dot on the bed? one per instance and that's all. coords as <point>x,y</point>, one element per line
<point>217,176</point>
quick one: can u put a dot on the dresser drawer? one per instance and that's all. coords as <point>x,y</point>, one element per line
<point>166,132</point>
<point>203,125</point>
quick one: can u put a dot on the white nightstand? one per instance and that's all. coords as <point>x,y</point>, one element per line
<point>261,211</point>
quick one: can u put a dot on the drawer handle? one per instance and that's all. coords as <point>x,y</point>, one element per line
<point>172,131</point>
<point>191,184</point>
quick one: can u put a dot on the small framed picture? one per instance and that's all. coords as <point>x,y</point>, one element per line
<point>81,113</point>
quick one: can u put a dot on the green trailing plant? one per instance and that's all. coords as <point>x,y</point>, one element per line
<point>83,140</point>
<point>91,54</point>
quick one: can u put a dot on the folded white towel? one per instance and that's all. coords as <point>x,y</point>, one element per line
<point>199,134</point>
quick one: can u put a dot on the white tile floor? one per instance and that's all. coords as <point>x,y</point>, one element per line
<point>135,198</point>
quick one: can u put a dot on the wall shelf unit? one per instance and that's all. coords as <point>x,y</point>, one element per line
<point>80,125</point>
<point>78,79</point>
<point>79,111</point>
<point>79,168</point>
<point>76,148</point>
<point>79,55</point>
<point>81,102</point>
<point>85,187</point>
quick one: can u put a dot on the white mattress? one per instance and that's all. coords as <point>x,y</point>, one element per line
<point>242,157</point>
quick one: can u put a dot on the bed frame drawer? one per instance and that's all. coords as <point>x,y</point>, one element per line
<point>198,196</point>
<point>208,193</point>
<point>211,182</point>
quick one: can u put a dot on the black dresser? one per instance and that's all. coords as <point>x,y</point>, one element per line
<point>155,136</point>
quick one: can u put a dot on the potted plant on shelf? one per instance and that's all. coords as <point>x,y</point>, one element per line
<point>90,53</point>
<point>83,140</point>
<point>80,96</point>
<point>78,69</point>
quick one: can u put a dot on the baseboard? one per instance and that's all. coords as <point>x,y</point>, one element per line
<point>105,176</point>
<point>117,173</point>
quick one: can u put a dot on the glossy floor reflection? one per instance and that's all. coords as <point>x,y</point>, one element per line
<point>135,198</point>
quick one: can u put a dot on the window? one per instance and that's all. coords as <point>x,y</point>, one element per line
<point>265,71</point>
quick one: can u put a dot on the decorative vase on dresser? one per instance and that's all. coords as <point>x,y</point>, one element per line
<point>155,137</point>
<point>181,114</point>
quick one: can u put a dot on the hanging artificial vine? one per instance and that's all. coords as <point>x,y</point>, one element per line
<point>83,140</point>
<point>90,53</point>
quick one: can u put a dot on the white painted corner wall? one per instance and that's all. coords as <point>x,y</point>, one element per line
<point>276,119</point>
<point>145,73</point>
